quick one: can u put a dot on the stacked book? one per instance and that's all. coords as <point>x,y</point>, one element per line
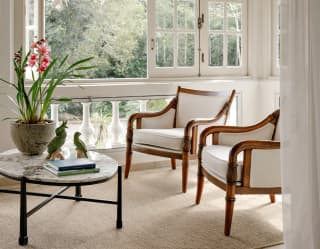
<point>71,167</point>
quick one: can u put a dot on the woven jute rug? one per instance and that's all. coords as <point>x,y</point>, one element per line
<point>155,215</point>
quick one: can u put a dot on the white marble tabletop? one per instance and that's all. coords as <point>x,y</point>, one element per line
<point>15,165</point>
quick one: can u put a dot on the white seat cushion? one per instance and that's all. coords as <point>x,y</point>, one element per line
<point>164,138</point>
<point>215,160</point>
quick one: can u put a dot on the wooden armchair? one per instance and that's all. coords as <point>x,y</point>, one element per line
<point>173,132</point>
<point>241,160</point>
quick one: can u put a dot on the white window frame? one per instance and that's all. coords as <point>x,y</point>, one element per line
<point>205,69</point>
<point>33,27</point>
<point>199,68</point>
<point>38,26</point>
<point>175,71</point>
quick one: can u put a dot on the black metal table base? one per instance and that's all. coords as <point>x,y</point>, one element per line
<point>24,214</point>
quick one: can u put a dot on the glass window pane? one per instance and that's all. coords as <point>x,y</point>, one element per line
<point>164,49</point>
<point>234,12</point>
<point>186,14</point>
<point>215,50</point>
<point>234,50</point>
<point>31,20</point>
<point>186,49</point>
<point>164,14</point>
<point>30,37</point>
<point>216,15</point>
<point>113,32</point>
<point>156,105</point>
<point>30,12</point>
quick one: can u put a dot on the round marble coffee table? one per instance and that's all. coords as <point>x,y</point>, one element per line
<point>29,169</point>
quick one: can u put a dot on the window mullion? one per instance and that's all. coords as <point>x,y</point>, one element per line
<point>41,18</point>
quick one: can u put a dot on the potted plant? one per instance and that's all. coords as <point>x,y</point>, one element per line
<point>31,132</point>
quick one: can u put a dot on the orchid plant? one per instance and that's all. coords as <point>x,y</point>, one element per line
<point>34,101</point>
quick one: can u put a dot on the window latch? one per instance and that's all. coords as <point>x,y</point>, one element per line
<point>152,44</point>
<point>200,21</point>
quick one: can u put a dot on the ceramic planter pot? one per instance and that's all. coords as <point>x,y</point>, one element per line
<point>32,139</point>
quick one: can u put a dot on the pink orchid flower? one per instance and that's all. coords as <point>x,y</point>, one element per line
<point>43,50</point>
<point>34,45</point>
<point>43,67</point>
<point>32,62</point>
<point>46,59</point>
<point>33,57</point>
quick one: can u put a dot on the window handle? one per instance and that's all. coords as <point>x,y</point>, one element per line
<point>202,57</point>
<point>152,44</point>
<point>200,21</point>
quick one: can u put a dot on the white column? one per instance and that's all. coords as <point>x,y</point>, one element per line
<point>86,128</point>
<point>143,105</point>
<point>55,113</point>
<point>115,128</point>
<point>6,53</point>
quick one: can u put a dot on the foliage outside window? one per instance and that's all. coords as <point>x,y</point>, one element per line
<point>112,31</point>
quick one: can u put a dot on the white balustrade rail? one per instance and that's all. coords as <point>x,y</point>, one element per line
<point>116,130</point>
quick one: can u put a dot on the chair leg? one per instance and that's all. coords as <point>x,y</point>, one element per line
<point>199,187</point>
<point>185,166</point>
<point>128,158</point>
<point>230,199</point>
<point>173,163</point>
<point>128,163</point>
<point>272,198</point>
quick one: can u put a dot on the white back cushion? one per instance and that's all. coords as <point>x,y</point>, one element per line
<point>191,106</point>
<point>263,133</point>
<point>265,169</point>
<point>164,121</point>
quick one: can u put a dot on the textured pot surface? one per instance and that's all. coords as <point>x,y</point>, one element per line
<point>32,139</point>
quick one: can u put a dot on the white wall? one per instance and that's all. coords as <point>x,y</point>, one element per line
<point>269,94</point>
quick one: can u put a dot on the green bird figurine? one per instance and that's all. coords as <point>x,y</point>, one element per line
<point>54,147</point>
<point>81,147</point>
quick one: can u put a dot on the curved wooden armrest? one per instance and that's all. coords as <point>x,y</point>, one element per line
<point>251,145</point>
<point>140,115</point>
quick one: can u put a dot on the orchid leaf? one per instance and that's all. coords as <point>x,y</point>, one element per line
<point>79,62</point>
